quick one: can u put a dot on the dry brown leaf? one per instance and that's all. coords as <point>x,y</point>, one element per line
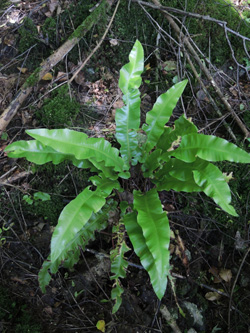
<point>48,310</point>
<point>212,296</point>
<point>40,226</point>
<point>22,69</point>
<point>61,77</point>
<point>215,272</point>
<point>54,290</point>
<point>169,207</point>
<point>172,234</point>
<point>47,77</point>
<point>171,248</point>
<point>48,14</point>
<point>118,104</point>
<point>79,79</point>
<point>52,5</point>
<point>57,304</point>
<point>59,10</point>
<point>10,40</point>
<point>180,251</point>
<point>226,274</point>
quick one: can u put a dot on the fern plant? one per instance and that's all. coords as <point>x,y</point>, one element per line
<point>163,158</point>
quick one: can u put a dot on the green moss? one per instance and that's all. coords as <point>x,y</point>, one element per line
<point>4,4</point>
<point>129,24</point>
<point>59,110</point>
<point>79,13</point>
<point>90,20</point>
<point>208,35</point>
<point>76,12</point>
<point>47,210</point>
<point>49,29</point>
<point>28,38</point>
<point>33,78</point>
<point>40,44</point>
<point>28,35</point>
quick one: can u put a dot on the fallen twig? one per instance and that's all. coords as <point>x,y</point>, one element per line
<point>217,110</point>
<point>185,40</point>
<point>49,63</point>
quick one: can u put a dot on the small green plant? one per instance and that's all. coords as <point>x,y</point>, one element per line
<point>151,159</point>
<point>37,196</point>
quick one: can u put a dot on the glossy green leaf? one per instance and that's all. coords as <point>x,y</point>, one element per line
<point>130,74</point>
<point>76,214</point>
<point>155,228</point>
<point>35,152</point>
<point>78,144</point>
<point>105,184</point>
<point>162,110</point>
<point>100,166</point>
<point>213,184</point>
<point>70,254</point>
<point>98,221</point>
<point>152,162</point>
<point>126,133</point>
<point>170,183</point>
<point>159,282</point>
<point>128,117</point>
<point>184,171</point>
<point>177,175</point>
<point>210,148</point>
<point>165,139</point>
<point>182,126</point>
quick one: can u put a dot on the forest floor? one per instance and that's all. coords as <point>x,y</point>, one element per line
<point>210,250</point>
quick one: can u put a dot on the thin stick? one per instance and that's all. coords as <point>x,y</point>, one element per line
<point>182,38</point>
<point>48,64</point>
<point>217,110</point>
